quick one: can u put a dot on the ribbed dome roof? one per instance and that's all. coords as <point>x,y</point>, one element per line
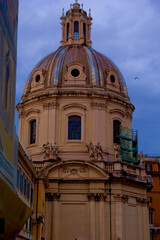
<point>96,66</point>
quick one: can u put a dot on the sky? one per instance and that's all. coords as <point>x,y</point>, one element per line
<point>126,31</point>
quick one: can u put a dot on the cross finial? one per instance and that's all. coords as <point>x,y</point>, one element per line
<point>76,1</point>
<point>62,11</point>
<point>89,12</point>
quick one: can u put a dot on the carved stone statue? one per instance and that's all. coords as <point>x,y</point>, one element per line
<point>50,151</point>
<point>142,163</point>
<point>116,152</point>
<point>47,149</point>
<point>99,151</point>
<point>95,152</point>
<point>55,150</point>
<point>91,150</point>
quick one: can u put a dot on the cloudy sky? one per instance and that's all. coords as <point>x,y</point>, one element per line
<point>126,31</point>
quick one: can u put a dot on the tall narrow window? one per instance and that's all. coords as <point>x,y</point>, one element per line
<point>116,131</point>
<point>32,131</point>
<point>21,183</point>
<point>84,32</point>
<point>30,224</point>
<point>28,191</point>
<point>74,128</point>
<point>76,30</point>
<point>67,31</point>
<point>18,179</point>
<point>150,218</point>
<point>31,200</point>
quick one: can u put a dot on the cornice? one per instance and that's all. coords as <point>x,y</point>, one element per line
<point>99,93</point>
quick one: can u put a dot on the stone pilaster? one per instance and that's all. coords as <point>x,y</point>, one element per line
<point>48,218</point>
<point>102,216</point>
<point>55,216</point>
<point>92,216</point>
<point>120,199</point>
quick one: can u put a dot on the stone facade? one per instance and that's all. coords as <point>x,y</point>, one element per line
<point>85,189</point>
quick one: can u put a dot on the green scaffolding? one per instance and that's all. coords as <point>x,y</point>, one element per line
<point>128,141</point>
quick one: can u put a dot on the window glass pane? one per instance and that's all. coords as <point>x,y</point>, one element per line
<point>84,32</point>
<point>74,128</point>
<point>21,183</point>
<point>32,131</point>
<point>148,167</point>
<point>150,218</point>
<point>116,131</point>
<point>18,179</point>
<point>28,191</point>
<point>30,225</point>
<point>67,31</point>
<point>31,197</point>
<point>25,187</point>
<point>76,30</point>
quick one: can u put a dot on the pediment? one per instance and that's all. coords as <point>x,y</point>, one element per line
<point>76,171</point>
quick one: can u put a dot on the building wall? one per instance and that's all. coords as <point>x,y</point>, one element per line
<point>153,168</point>
<point>14,208</point>
<point>8,55</point>
<point>26,176</point>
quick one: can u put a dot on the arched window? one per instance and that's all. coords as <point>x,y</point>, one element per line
<point>76,30</point>
<point>32,131</point>
<point>74,128</point>
<point>67,31</point>
<point>116,131</point>
<point>84,32</point>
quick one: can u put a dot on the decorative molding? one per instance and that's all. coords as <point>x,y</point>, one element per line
<point>142,201</point>
<point>21,114</point>
<point>52,105</point>
<point>97,196</point>
<point>56,196</point>
<point>74,171</point>
<point>52,196</point>
<point>74,105</point>
<point>49,196</point>
<point>121,198</point>
<point>129,114</point>
<point>97,105</point>
<point>118,111</point>
<point>31,110</point>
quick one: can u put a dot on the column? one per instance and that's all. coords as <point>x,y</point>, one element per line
<point>102,216</point>
<point>145,220</point>
<point>120,199</point>
<point>81,30</point>
<point>92,235</point>
<point>52,122</point>
<point>70,31</point>
<point>63,31</point>
<point>45,122</point>
<point>48,216</point>
<point>139,219</point>
<point>55,216</point>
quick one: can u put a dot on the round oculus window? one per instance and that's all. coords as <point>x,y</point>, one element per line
<point>75,72</point>
<point>112,78</point>
<point>37,79</point>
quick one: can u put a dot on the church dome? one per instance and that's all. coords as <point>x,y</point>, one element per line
<point>79,65</point>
